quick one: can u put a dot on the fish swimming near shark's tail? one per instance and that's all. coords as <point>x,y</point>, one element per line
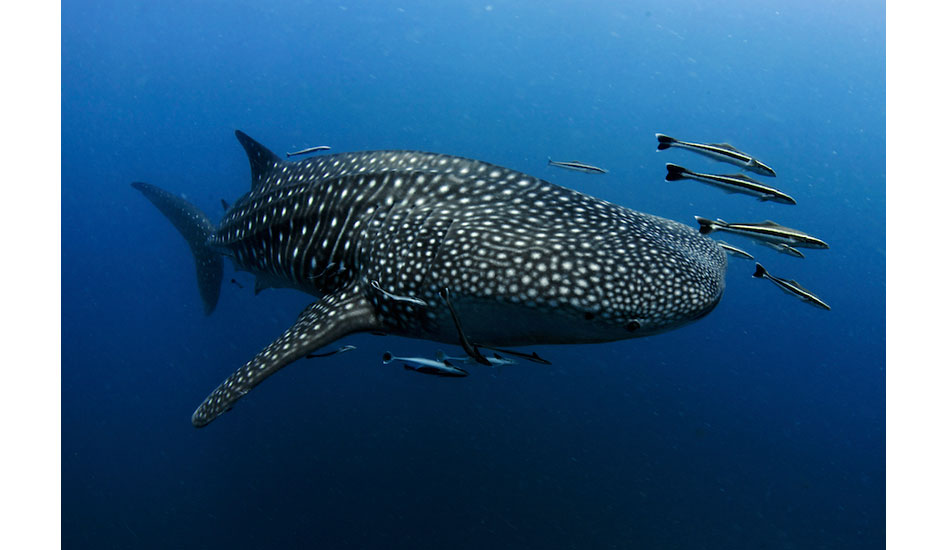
<point>197,229</point>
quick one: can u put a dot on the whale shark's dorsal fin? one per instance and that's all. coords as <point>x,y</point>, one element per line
<point>332,317</point>
<point>262,159</point>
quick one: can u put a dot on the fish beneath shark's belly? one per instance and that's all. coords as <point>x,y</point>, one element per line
<point>377,235</point>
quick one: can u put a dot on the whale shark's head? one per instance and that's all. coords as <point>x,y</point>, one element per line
<point>589,272</point>
<point>672,276</point>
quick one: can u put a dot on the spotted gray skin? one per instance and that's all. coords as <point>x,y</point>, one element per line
<point>525,261</point>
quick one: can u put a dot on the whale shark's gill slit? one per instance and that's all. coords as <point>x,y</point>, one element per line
<point>308,260</point>
<point>363,255</point>
<point>341,235</point>
<point>405,249</point>
<point>438,248</point>
<point>413,235</point>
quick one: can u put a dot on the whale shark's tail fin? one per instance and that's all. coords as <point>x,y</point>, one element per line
<point>196,228</point>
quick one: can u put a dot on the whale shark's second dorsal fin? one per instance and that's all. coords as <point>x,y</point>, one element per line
<point>262,159</point>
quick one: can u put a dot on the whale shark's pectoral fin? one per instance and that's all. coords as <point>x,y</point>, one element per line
<point>322,322</point>
<point>470,350</point>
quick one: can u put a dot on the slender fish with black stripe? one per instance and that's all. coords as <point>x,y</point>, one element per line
<point>767,231</point>
<point>722,152</point>
<point>341,349</point>
<point>576,166</point>
<point>783,249</point>
<point>437,367</point>
<point>309,150</point>
<point>738,252</point>
<point>731,183</point>
<point>495,360</point>
<point>791,287</point>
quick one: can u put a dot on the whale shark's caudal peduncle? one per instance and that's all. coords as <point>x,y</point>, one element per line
<point>378,235</point>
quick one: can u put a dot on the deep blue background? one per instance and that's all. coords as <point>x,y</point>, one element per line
<point>760,426</point>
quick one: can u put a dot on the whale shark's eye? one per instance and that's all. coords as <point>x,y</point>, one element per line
<point>632,326</point>
<point>588,316</point>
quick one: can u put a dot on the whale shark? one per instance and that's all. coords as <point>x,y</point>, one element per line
<point>381,239</point>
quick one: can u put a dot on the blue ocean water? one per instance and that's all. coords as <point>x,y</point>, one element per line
<point>759,426</point>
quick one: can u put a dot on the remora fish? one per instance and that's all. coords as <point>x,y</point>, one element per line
<point>495,360</point>
<point>718,151</point>
<point>341,349</point>
<point>767,231</point>
<point>732,183</point>
<point>309,150</point>
<point>527,262</point>
<point>735,251</point>
<point>783,248</point>
<point>407,299</point>
<point>791,287</point>
<point>427,366</point>
<point>577,166</point>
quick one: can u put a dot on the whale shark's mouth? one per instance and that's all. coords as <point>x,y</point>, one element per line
<point>707,310</point>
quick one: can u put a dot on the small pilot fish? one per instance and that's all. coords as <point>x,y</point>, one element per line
<point>767,231</point>
<point>496,360</point>
<point>732,183</point>
<point>309,150</point>
<point>577,166</point>
<point>791,287</point>
<point>391,296</point>
<point>784,249</point>
<point>426,366</point>
<point>534,357</point>
<point>735,251</point>
<point>719,151</point>
<point>341,349</point>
